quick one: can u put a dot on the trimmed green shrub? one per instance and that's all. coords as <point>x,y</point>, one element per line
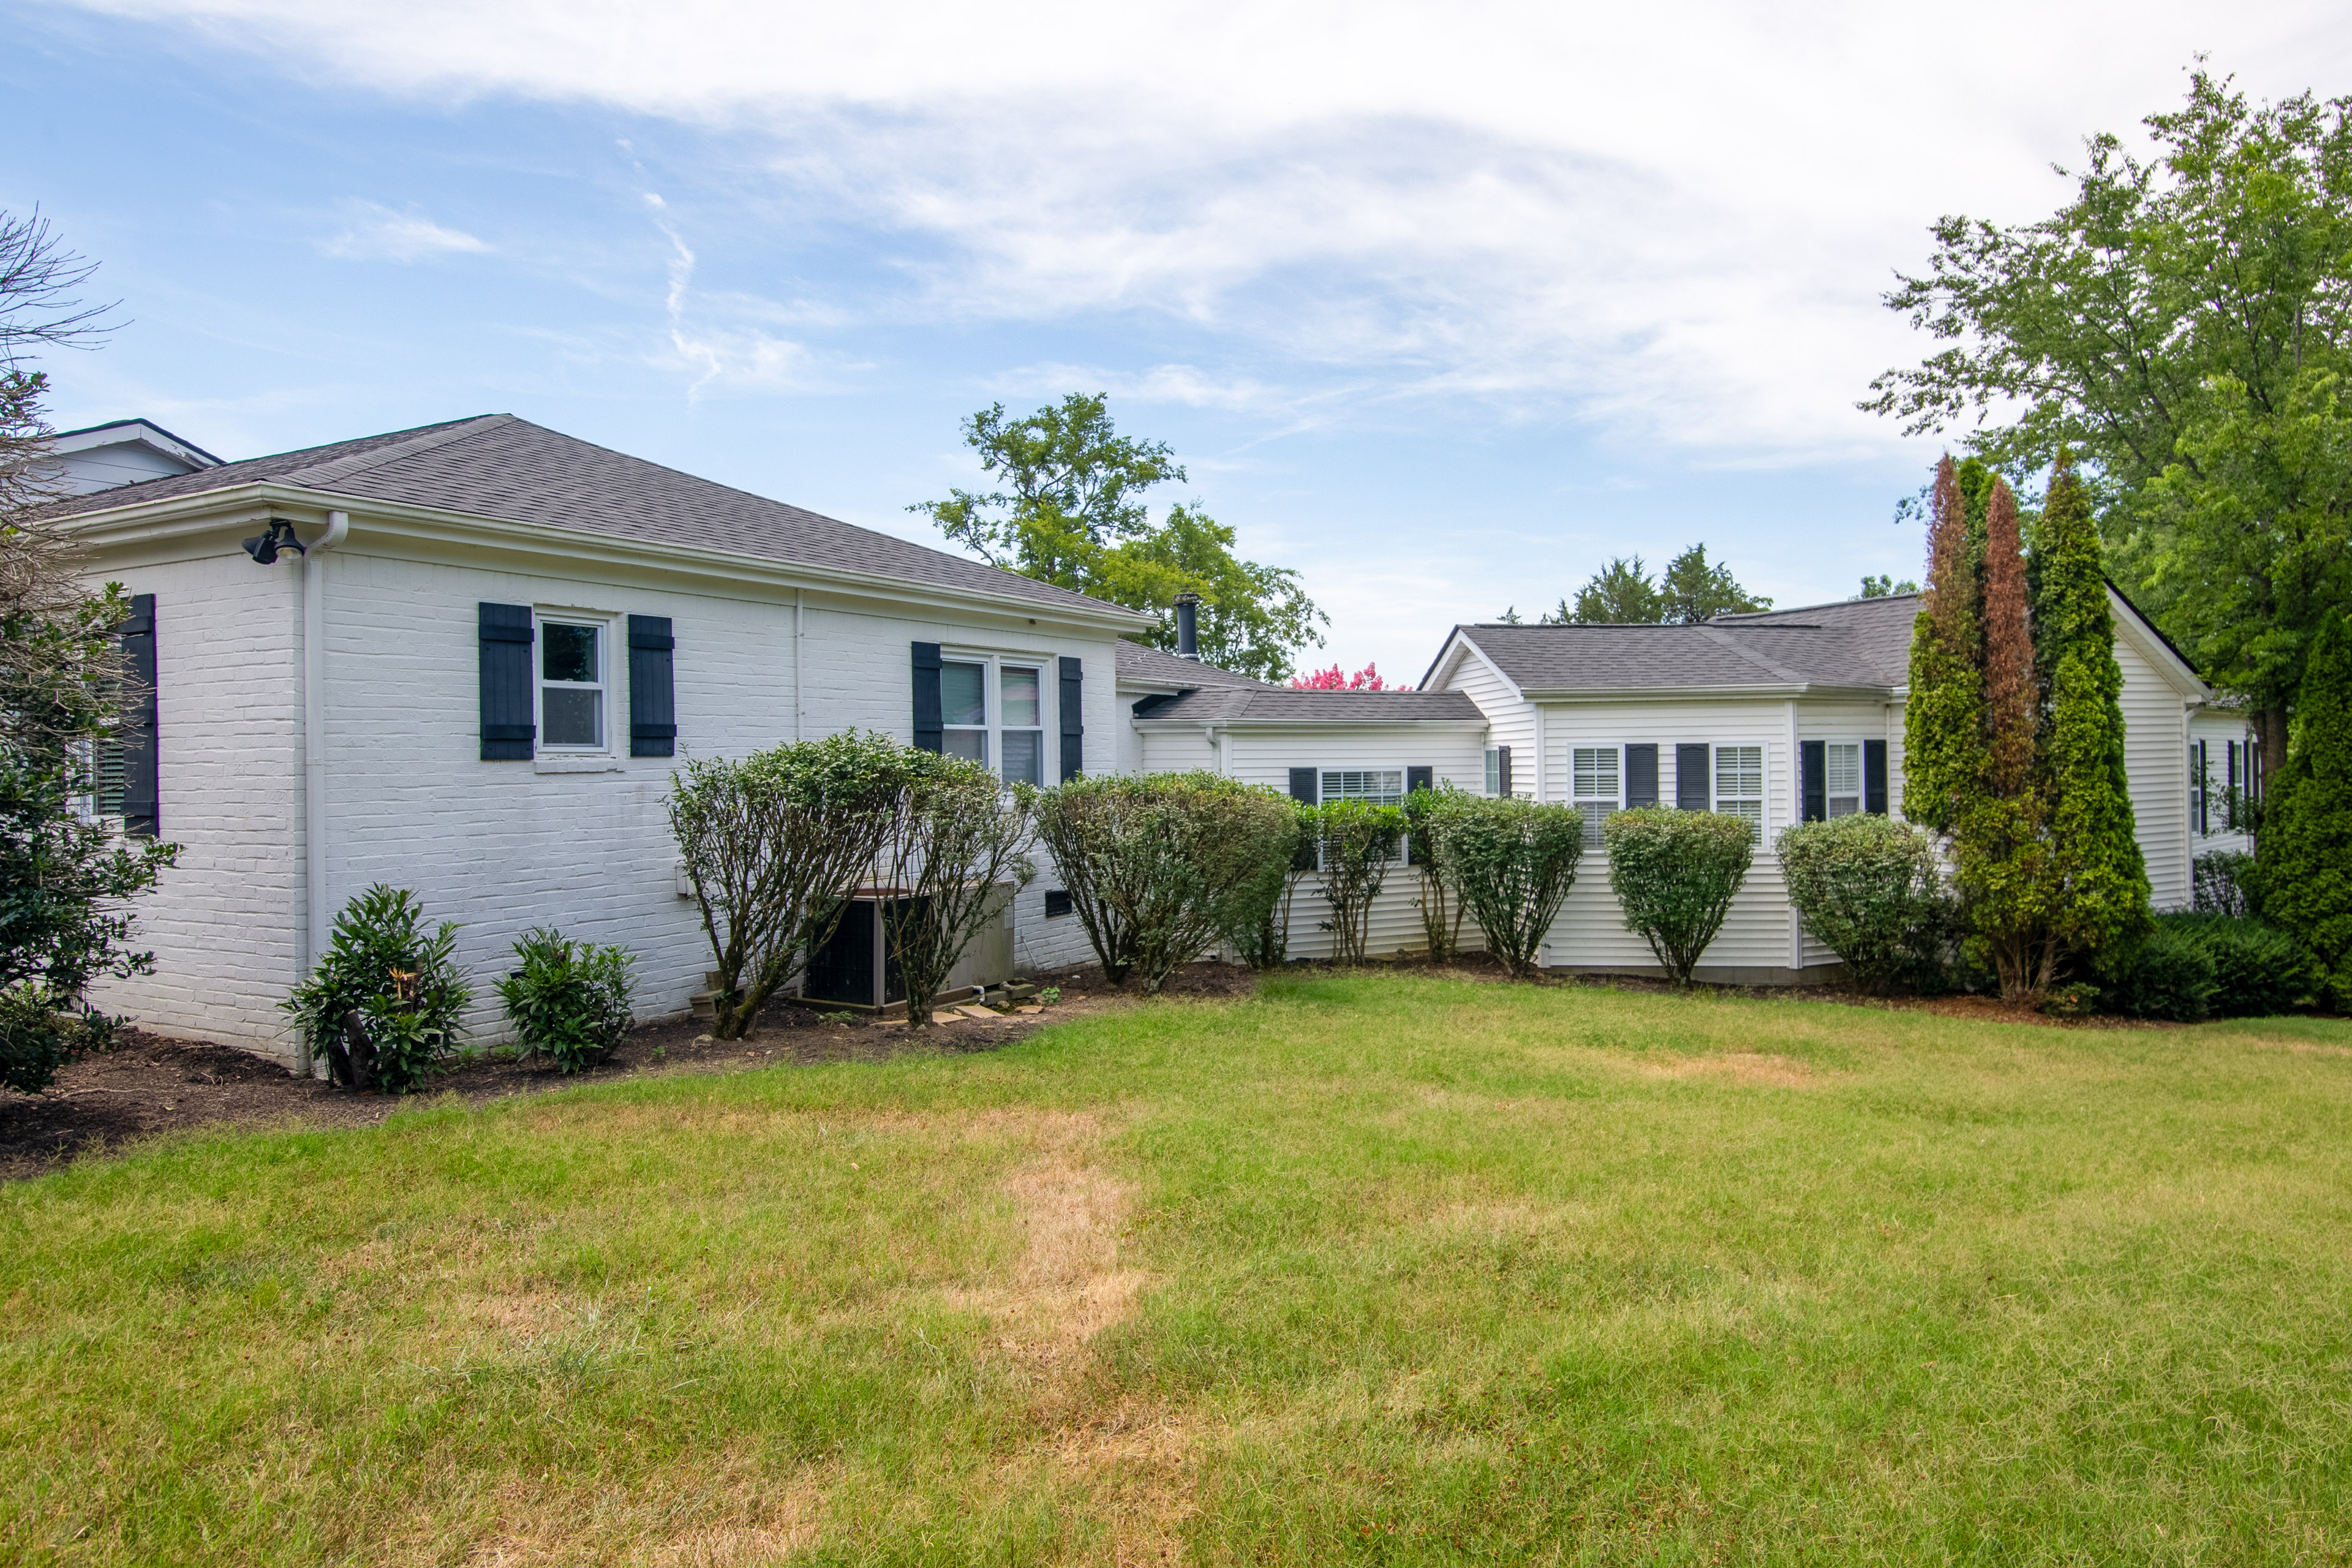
<point>569,1001</point>
<point>1512,862</point>
<point>1675,873</point>
<point>2305,849</point>
<point>774,845</point>
<point>2259,969</point>
<point>1359,842</point>
<point>1257,923</point>
<point>1871,891</point>
<point>1157,866</point>
<point>383,1003</point>
<point>2167,974</point>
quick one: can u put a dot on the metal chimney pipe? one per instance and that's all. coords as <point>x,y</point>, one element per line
<point>1188,635</point>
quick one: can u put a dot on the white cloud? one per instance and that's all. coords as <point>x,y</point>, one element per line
<point>372,232</point>
<point>1673,220</point>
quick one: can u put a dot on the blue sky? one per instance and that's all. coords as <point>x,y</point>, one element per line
<point>1440,306</point>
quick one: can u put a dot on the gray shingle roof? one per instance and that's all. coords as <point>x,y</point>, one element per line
<point>1284,705</point>
<point>497,465</point>
<point>1143,665</point>
<point>1864,642</point>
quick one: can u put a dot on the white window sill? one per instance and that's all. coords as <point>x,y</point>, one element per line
<point>570,762</point>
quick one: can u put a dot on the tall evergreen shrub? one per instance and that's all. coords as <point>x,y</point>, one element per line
<point>2304,854</point>
<point>1944,720</point>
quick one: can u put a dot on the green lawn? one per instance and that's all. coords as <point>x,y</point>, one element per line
<point>1376,1268</point>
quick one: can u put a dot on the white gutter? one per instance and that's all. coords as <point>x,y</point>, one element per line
<point>314,737</point>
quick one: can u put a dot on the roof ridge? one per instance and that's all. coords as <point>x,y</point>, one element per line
<point>326,475</point>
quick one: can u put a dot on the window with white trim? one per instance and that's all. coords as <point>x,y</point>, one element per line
<point>1381,786</point>
<point>1841,765</point>
<point>1594,784</point>
<point>1494,770</point>
<point>963,710</point>
<point>1022,717</point>
<point>573,661</point>
<point>1739,783</point>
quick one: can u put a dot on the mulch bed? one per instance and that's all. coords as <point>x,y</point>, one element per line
<point>151,1084</point>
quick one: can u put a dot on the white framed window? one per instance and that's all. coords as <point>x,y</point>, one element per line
<point>963,708</point>
<point>1842,770</point>
<point>574,656</point>
<point>1739,783</point>
<point>1022,720</point>
<point>1594,784</point>
<point>1494,770</point>
<point>1381,786</point>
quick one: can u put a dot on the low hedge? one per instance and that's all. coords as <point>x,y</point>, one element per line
<point>2193,966</point>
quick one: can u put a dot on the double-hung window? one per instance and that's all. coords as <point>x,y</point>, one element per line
<point>1594,786</point>
<point>1023,724</point>
<point>1739,783</point>
<point>1381,786</point>
<point>1842,768</point>
<point>572,685</point>
<point>963,708</point>
<point>1494,770</point>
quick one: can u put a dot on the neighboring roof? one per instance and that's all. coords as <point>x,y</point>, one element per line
<point>144,431</point>
<point>502,467</point>
<point>1143,665</point>
<point>1857,643</point>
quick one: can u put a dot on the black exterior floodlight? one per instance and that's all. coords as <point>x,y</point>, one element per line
<point>264,547</point>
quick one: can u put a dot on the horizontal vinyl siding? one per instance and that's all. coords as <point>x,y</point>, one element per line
<point>1510,721</point>
<point>1456,756</point>
<point>2156,759</point>
<point>1591,929</point>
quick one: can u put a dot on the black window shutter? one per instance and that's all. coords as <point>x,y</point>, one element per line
<point>929,736</point>
<point>652,688</point>
<point>1641,775</point>
<point>1074,718</point>
<point>1814,766</point>
<point>1503,769</point>
<point>1692,790</point>
<point>141,816</point>
<point>507,728</point>
<point>1305,789</point>
<point>1058,903</point>
<point>1873,777</point>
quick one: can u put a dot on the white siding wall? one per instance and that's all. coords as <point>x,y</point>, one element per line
<point>1510,721</point>
<point>497,847</point>
<point>2156,759</point>
<point>225,923</point>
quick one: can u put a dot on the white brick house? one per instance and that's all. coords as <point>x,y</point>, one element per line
<point>476,675</point>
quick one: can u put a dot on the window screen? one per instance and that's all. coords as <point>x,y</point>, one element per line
<point>1841,761</point>
<point>1739,783</point>
<point>1593,775</point>
<point>963,710</point>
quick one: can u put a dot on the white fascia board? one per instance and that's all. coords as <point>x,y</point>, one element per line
<point>1318,727</point>
<point>1458,646</point>
<point>211,510</point>
<point>2155,651</point>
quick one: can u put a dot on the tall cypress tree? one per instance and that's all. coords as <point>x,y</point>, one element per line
<point>2305,853</point>
<point>2097,879</point>
<point>1944,718</point>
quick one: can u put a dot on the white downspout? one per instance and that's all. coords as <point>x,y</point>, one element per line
<point>799,653</point>
<point>314,736</point>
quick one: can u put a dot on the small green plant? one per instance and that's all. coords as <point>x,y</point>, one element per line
<point>1675,873</point>
<point>1050,995</point>
<point>841,1017</point>
<point>2075,999</point>
<point>383,1003</point>
<point>569,1001</point>
<point>2221,882</point>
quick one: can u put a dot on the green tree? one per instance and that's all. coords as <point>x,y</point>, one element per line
<point>1943,719</point>
<point>1886,587</point>
<point>2181,322</point>
<point>1072,514</point>
<point>2304,859</point>
<point>1691,589</point>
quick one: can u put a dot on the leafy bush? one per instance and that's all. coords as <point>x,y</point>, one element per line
<point>2167,974</point>
<point>1441,900</point>
<point>1871,890</point>
<point>956,839</point>
<point>2259,969</point>
<point>1675,873</point>
<point>2306,844</point>
<point>383,1003</point>
<point>1157,866</point>
<point>1512,862</point>
<point>2221,882</point>
<point>774,844</point>
<point>569,1001</point>
<point>1358,841</point>
<point>1258,922</point>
